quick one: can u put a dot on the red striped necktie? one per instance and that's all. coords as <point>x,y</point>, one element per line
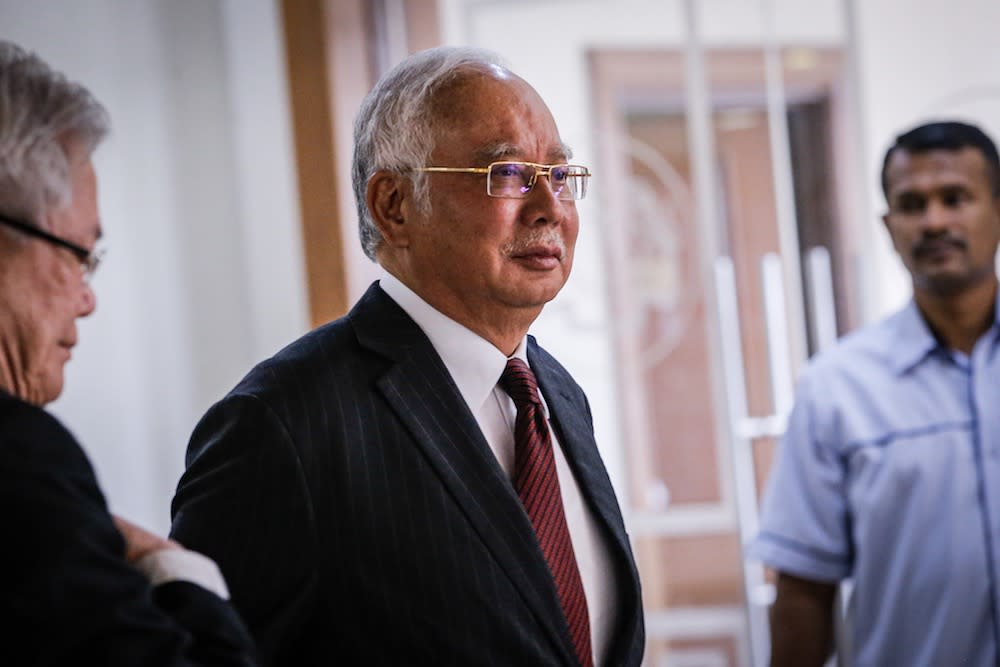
<point>538,487</point>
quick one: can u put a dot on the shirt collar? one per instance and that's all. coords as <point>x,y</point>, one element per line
<point>910,339</point>
<point>474,363</point>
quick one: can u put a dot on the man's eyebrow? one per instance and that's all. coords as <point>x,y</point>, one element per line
<point>508,151</point>
<point>564,153</point>
<point>497,152</point>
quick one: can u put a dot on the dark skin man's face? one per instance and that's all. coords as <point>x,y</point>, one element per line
<point>944,218</point>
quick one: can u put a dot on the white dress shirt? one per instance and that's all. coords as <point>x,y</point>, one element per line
<point>164,565</point>
<point>476,365</point>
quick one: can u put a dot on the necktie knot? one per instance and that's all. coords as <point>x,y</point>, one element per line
<point>520,384</point>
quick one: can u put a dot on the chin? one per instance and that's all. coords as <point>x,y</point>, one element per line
<point>540,299</point>
<point>51,390</point>
<point>947,284</point>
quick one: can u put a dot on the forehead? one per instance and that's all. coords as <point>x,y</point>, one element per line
<point>493,115</point>
<point>927,170</point>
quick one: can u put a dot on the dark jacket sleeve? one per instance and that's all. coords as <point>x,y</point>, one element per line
<point>243,501</point>
<point>70,596</point>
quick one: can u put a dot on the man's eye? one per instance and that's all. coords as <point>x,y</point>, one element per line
<point>508,170</point>
<point>909,204</point>
<point>953,198</point>
<point>559,175</point>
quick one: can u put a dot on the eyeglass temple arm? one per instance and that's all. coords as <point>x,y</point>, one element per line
<point>82,253</point>
<point>461,170</point>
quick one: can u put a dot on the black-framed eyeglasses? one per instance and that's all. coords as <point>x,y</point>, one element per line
<point>514,180</point>
<point>89,260</point>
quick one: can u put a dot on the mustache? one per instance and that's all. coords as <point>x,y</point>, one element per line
<point>932,244</point>
<point>544,237</point>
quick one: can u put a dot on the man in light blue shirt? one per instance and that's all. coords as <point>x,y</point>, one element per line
<point>889,472</point>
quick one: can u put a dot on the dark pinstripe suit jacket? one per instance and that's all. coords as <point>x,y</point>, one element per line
<point>360,518</point>
<point>69,596</point>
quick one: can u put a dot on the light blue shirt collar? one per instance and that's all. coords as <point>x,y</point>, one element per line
<point>911,339</point>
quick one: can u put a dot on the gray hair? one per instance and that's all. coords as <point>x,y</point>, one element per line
<point>394,127</point>
<point>41,113</point>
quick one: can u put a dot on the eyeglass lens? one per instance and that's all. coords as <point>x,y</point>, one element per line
<point>90,264</point>
<point>515,179</point>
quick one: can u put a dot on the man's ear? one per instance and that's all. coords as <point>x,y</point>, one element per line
<point>887,223</point>
<point>385,195</point>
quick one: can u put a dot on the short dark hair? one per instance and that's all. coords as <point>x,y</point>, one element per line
<point>949,136</point>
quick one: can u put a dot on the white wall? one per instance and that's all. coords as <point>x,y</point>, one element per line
<point>204,273</point>
<point>920,59</point>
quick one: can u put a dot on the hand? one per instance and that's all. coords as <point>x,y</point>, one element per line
<point>139,541</point>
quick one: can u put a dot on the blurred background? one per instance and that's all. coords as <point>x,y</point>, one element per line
<point>732,228</point>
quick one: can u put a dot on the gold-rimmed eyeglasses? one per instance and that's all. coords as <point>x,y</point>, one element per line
<point>514,180</point>
<point>89,260</point>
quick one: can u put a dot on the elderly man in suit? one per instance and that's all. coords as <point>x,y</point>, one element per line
<point>408,494</point>
<point>80,587</point>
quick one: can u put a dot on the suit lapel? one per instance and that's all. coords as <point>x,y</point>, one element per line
<point>567,413</point>
<point>424,397</point>
<point>577,439</point>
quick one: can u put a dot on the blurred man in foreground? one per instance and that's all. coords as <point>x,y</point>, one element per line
<point>889,472</point>
<point>408,493</point>
<point>75,592</point>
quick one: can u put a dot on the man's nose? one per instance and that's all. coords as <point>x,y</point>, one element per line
<point>544,197</point>
<point>937,216</point>
<point>88,300</point>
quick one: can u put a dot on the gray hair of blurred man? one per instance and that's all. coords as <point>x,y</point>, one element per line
<point>394,126</point>
<point>43,116</point>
